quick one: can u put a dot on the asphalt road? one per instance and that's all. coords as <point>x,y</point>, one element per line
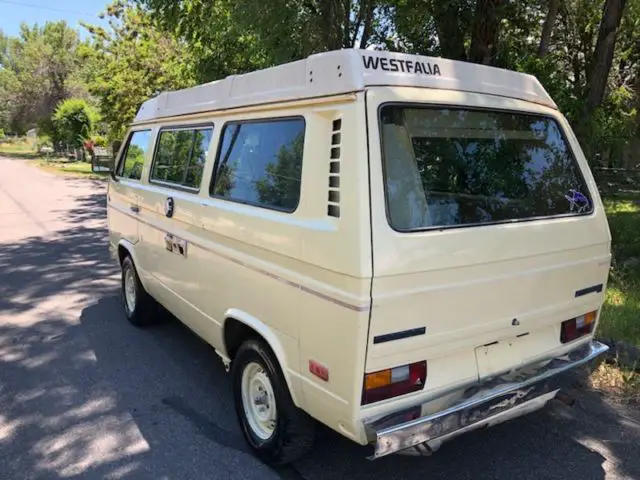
<point>84,395</point>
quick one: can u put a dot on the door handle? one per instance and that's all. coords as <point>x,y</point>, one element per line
<point>175,244</point>
<point>134,208</point>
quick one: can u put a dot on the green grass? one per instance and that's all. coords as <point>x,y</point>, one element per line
<point>620,318</point>
<point>61,167</point>
<point>15,148</point>
<point>52,164</point>
<point>18,150</point>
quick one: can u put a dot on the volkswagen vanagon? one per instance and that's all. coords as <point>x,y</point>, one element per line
<point>400,247</point>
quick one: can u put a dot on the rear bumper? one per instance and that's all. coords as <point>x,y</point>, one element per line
<point>483,405</point>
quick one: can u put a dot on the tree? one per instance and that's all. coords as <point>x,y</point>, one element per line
<point>133,62</point>
<point>604,50</point>
<point>288,30</point>
<point>74,122</point>
<point>221,45</point>
<point>40,68</point>
<point>485,33</point>
<point>453,20</point>
<point>549,21</point>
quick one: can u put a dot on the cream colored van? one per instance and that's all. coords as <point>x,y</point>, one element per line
<point>400,247</point>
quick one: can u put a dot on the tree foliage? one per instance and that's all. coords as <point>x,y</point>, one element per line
<point>40,68</point>
<point>585,52</point>
<point>235,36</point>
<point>132,61</point>
<point>74,121</point>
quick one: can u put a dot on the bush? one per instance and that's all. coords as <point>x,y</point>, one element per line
<point>44,141</point>
<point>74,121</point>
<point>99,141</point>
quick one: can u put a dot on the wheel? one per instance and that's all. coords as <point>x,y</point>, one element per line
<point>141,309</point>
<point>277,431</point>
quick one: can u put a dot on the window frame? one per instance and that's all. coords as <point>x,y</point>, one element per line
<point>444,106</point>
<point>173,128</point>
<point>118,172</point>
<point>214,173</point>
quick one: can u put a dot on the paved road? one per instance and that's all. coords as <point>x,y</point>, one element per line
<point>83,395</point>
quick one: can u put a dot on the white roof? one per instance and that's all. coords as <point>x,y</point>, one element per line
<point>339,72</point>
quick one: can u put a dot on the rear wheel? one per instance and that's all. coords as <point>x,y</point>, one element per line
<point>140,308</point>
<point>274,427</point>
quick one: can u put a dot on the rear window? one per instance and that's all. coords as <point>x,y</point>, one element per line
<point>260,163</point>
<point>447,167</point>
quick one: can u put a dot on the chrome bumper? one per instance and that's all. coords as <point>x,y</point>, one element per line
<point>505,397</point>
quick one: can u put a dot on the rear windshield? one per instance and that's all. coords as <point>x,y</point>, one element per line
<point>448,167</point>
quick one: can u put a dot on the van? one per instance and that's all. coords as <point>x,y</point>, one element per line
<point>402,248</point>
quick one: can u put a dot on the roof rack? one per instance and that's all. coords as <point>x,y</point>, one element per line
<point>340,72</point>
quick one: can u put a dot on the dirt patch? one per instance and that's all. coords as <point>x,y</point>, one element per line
<point>617,383</point>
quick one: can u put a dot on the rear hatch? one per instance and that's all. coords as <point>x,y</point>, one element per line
<point>493,236</point>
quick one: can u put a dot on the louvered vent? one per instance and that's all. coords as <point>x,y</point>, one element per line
<point>333,208</point>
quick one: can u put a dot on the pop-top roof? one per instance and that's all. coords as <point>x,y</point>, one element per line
<point>343,71</point>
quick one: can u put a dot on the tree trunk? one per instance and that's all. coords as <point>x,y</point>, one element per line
<point>446,15</point>
<point>367,22</point>
<point>486,29</point>
<point>632,157</point>
<point>547,28</point>
<point>331,14</point>
<point>603,54</point>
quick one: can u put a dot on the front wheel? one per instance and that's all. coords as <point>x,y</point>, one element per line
<point>277,431</point>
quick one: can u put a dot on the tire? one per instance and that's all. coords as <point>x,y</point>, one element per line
<point>292,432</point>
<point>143,309</point>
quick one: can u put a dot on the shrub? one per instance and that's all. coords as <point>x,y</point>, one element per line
<point>74,121</point>
<point>99,141</point>
<point>44,141</point>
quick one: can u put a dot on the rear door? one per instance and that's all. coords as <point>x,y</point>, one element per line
<point>488,231</point>
<point>123,198</point>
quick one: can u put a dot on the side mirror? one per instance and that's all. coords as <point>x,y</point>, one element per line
<point>102,161</point>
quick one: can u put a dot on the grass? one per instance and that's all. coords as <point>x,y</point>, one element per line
<point>18,150</point>
<point>57,165</point>
<point>19,147</point>
<point>76,169</point>
<point>620,319</point>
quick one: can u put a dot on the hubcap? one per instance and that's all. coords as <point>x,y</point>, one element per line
<point>258,401</point>
<point>130,289</point>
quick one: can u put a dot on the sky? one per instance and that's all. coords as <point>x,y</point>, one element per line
<point>14,12</point>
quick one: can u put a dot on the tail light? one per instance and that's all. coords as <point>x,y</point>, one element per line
<point>393,382</point>
<point>577,327</point>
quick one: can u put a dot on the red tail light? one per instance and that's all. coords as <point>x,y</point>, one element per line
<point>393,382</point>
<point>577,327</point>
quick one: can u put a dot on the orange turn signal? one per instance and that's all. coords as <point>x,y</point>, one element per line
<point>586,319</point>
<point>578,327</point>
<point>377,379</point>
<point>393,382</point>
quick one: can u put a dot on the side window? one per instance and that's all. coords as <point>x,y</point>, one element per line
<point>180,156</point>
<point>260,163</point>
<point>132,160</point>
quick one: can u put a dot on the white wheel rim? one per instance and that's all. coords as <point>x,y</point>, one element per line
<point>259,401</point>
<point>130,289</point>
